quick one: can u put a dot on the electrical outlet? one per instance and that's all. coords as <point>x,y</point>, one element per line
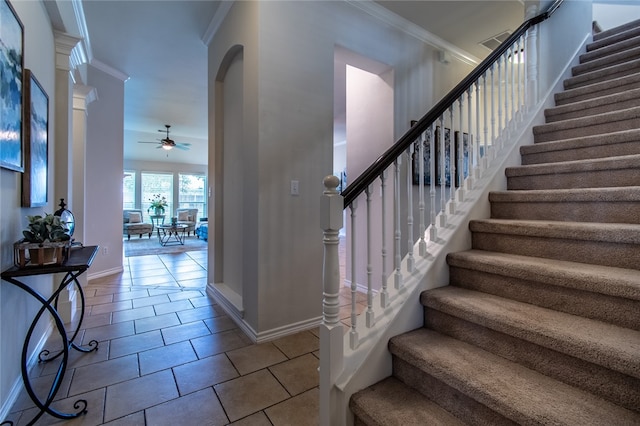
<point>105,250</point>
<point>295,187</point>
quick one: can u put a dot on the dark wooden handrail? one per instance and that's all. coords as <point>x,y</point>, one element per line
<point>383,162</point>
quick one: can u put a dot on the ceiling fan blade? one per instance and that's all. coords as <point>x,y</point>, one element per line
<point>148,142</point>
<point>182,147</point>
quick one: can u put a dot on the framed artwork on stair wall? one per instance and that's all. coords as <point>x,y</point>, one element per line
<point>11,70</point>
<point>36,146</point>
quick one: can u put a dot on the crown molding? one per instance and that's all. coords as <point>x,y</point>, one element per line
<point>385,15</point>
<point>109,70</point>
<point>216,21</point>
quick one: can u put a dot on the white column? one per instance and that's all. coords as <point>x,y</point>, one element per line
<point>331,333</point>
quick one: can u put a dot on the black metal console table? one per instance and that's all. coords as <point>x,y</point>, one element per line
<point>79,260</point>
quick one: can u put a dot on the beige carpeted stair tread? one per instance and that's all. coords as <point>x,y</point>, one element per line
<point>392,403</point>
<point>616,30</point>
<point>518,393</point>
<point>583,126</point>
<point>603,74</point>
<point>589,107</point>
<point>594,90</point>
<point>621,233</point>
<point>594,341</point>
<point>610,163</point>
<point>625,193</point>
<point>624,136</point>
<point>624,41</point>
<point>613,39</point>
<point>618,282</point>
<point>607,61</point>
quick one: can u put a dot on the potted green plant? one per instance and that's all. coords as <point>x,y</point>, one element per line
<point>45,238</point>
<point>158,203</point>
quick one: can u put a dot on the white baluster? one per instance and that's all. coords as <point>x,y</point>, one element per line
<point>507,135</point>
<point>384,294</point>
<point>519,78</point>
<point>443,187</point>
<point>353,334</point>
<point>471,177</point>
<point>422,245</point>
<point>397,259</point>
<point>485,113</point>
<point>514,101</point>
<point>410,259</point>
<point>331,329</point>
<point>452,164</point>
<point>369,316</point>
<point>532,67</point>
<point>501,135</point>
<point>433,234</point>
<point>476,146</point>
<point>494,137</point>
<point>461,168</point>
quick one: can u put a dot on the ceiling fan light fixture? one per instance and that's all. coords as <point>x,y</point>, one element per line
<point>167,147</point>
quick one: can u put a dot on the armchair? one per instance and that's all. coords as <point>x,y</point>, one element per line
<point>188,217</point>
<point>133,223</point>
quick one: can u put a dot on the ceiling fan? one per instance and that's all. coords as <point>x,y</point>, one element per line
<point>168,143</point>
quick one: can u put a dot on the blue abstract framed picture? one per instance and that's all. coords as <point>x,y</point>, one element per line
<point>36,142</point>
<point>11,70</point>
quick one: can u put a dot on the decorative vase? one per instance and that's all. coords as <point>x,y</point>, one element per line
<point>159,211</point>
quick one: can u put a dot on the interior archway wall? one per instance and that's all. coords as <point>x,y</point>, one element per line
<point>229,181</point>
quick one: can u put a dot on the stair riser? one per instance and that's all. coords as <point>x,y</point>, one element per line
<point>614,310</point>
<point>613,386</point>
<point>552,116</point>
<point>590,252</point>
<point>457,403</point>
<point>606,62</point>
<point>565,98</point>
<point>585,153</point>
<point>579,179</point>
<point>546,133</point>
<point>606,212</point>
<point>603,75</point>
<point>625,41</point>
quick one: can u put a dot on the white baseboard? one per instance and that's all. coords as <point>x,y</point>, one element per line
<point>108,272</point>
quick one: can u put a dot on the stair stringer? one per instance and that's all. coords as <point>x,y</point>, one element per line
<point>371,361</point>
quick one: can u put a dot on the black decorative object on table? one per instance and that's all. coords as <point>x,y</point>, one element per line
<point>67,218</point>
<point>78,261</point>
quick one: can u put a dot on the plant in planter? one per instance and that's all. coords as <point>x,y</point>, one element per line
<point>46,240</point>
<point>158,204</point>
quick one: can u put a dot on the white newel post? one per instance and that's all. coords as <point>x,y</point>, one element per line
<point>531,58</point>
<point>331,331</point>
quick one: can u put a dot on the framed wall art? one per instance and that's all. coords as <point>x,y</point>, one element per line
<point>36,143</point>
<point>11,70</point>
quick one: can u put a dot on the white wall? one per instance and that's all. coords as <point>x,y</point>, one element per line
<point>289,81</point>
<point>16,307</point>
<point>104,154</point>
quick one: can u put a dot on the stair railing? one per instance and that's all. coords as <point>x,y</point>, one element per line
<point>446,151</point>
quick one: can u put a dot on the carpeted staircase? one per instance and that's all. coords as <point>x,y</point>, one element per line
<point>541,321</point>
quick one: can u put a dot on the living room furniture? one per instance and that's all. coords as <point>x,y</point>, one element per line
<point>202,231</point>
<point>172,233</point>
<point>188,217</point>
<point>79,260</point>
<point>133,223</point>
<point>157,219</point>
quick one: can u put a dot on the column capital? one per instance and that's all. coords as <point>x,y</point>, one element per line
<point>68,56</point>
<point>83,96</point>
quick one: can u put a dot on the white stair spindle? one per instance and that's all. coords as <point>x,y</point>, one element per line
<point>410,259</point>
<point>397,258</point>
<point>384,293</point>
<point>441,174</point>
<point>353,334</point>
<point>501,135</point>
<point>461,150</point>
<point>369,316</point>
<point>433,235</point>
<point>476,146</point>
<point>452,164</point>
<point>471,177</point>
<point>422,245</point>
<point>494,138</point>
<point>514,101</point>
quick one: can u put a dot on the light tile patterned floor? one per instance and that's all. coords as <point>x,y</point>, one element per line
<point>169,355</point>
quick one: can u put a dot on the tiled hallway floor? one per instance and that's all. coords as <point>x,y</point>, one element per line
<point>169,355</point>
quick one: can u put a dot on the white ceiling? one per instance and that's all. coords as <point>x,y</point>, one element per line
<point>159,45</point>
